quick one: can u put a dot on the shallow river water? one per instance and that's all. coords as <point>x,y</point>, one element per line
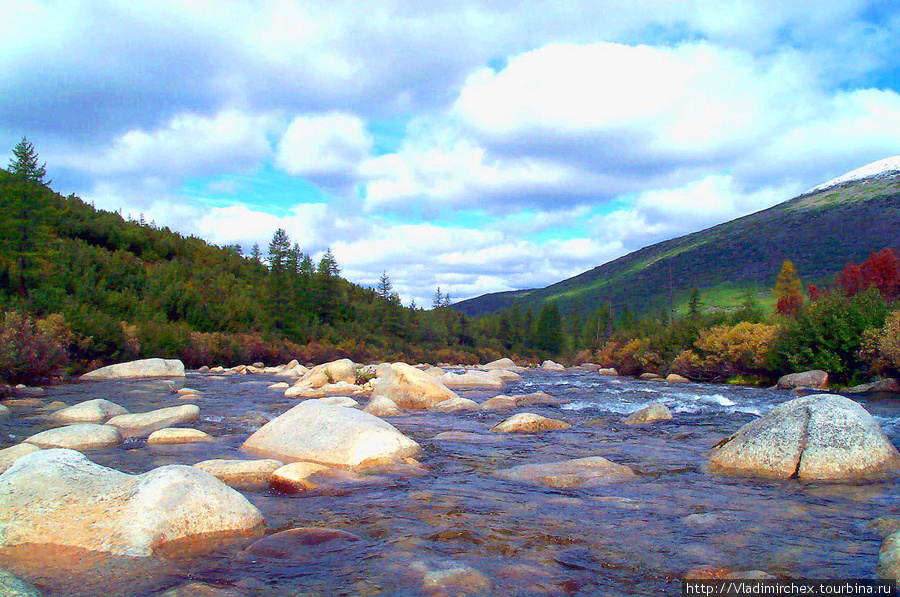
<point>457,529</point>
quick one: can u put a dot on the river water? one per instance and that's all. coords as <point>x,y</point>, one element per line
<point>457,529</point>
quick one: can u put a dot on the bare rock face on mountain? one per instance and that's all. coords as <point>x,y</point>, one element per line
<point>410,388</point>
<point>334,436</point>
<point>141,368</point>
<point>821,437</point>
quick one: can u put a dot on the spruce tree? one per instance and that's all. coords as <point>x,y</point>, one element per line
<point>24,163</point>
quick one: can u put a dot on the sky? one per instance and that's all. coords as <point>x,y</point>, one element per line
<point>472,146</point>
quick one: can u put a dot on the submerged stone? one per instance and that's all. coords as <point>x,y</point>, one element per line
<point>594,470</point>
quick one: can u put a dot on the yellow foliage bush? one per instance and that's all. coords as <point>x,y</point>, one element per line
<point>881,347</point>
<point>723,351</point>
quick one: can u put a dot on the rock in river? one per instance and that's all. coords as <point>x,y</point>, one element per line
<point>410,388</point>
<point>651,414</point>
<point>528,423</point>
<point>9,455</point>
<point>81,436</point>
<point>815,379</point>
<point>178,435</point>
<point>243,474</point>
<point>889,558</point>
<point>65,520</point>
<point>141,368</point>
<point>382,406</point>
<point>92,411</point>
<point>141,424</point>
<point>824,437</point>
<point>331,435</point>
<point>590,471</point>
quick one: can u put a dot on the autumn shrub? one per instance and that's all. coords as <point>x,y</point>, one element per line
<point>828,335</point>
<point>30,351</point>
<point>723,351</point>
<point>637,356</point>
<point>881,347</point>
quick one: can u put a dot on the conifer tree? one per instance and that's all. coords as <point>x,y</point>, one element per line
<point>24,163</point>
<point>385,288</point>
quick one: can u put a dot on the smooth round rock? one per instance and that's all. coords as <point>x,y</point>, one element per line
<point>65,520</point>
<point>243,474</point>
<point>382,406</point>
<point>9,455</point>
<point>334,436</point>
<point>139,368</point>
<point>410,388</point>
<point>294,477</point>
<point>141,424</point>
<point>651,414</point>
<point>455,405</point>
<point>81,436</point>
<point>91,411</point>
<point>178,435</point>
<point>528,423</point>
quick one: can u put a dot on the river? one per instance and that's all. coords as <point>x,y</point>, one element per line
<point>458,529</point>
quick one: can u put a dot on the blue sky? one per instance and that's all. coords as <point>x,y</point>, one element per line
<point>475,146</point>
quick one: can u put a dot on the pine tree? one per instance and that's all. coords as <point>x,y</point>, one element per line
<point>255,253</point>
<point>385,288</point>
<point>438,301</point>
<point>694,304</point>
<point>24,163</point>
<point>279,249</point>
<point>548,335</point>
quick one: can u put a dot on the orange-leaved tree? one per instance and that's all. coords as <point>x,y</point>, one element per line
<point>787,290</point>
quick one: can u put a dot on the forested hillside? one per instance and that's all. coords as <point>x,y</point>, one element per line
<point>111,289</point>
<point>820,232</point>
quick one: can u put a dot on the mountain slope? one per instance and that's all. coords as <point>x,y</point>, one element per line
<point>820,231</point>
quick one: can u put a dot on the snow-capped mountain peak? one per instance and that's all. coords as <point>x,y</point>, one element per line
<point>885,167</point>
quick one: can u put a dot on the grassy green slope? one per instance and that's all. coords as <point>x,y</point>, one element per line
<point>820,232</point>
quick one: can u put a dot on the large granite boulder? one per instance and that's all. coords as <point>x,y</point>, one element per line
<point>92,411</point>
<point>141,368</point>
<point>823,437</point>
<point>141,424</point>
<point>552,366</point>
<point>66,522</point>
<point>81,436</point>
<point>815,379</point>
<point>581,472</point>
<point>334,436</point>
<point>455,405</point>
<point>410,388</point>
